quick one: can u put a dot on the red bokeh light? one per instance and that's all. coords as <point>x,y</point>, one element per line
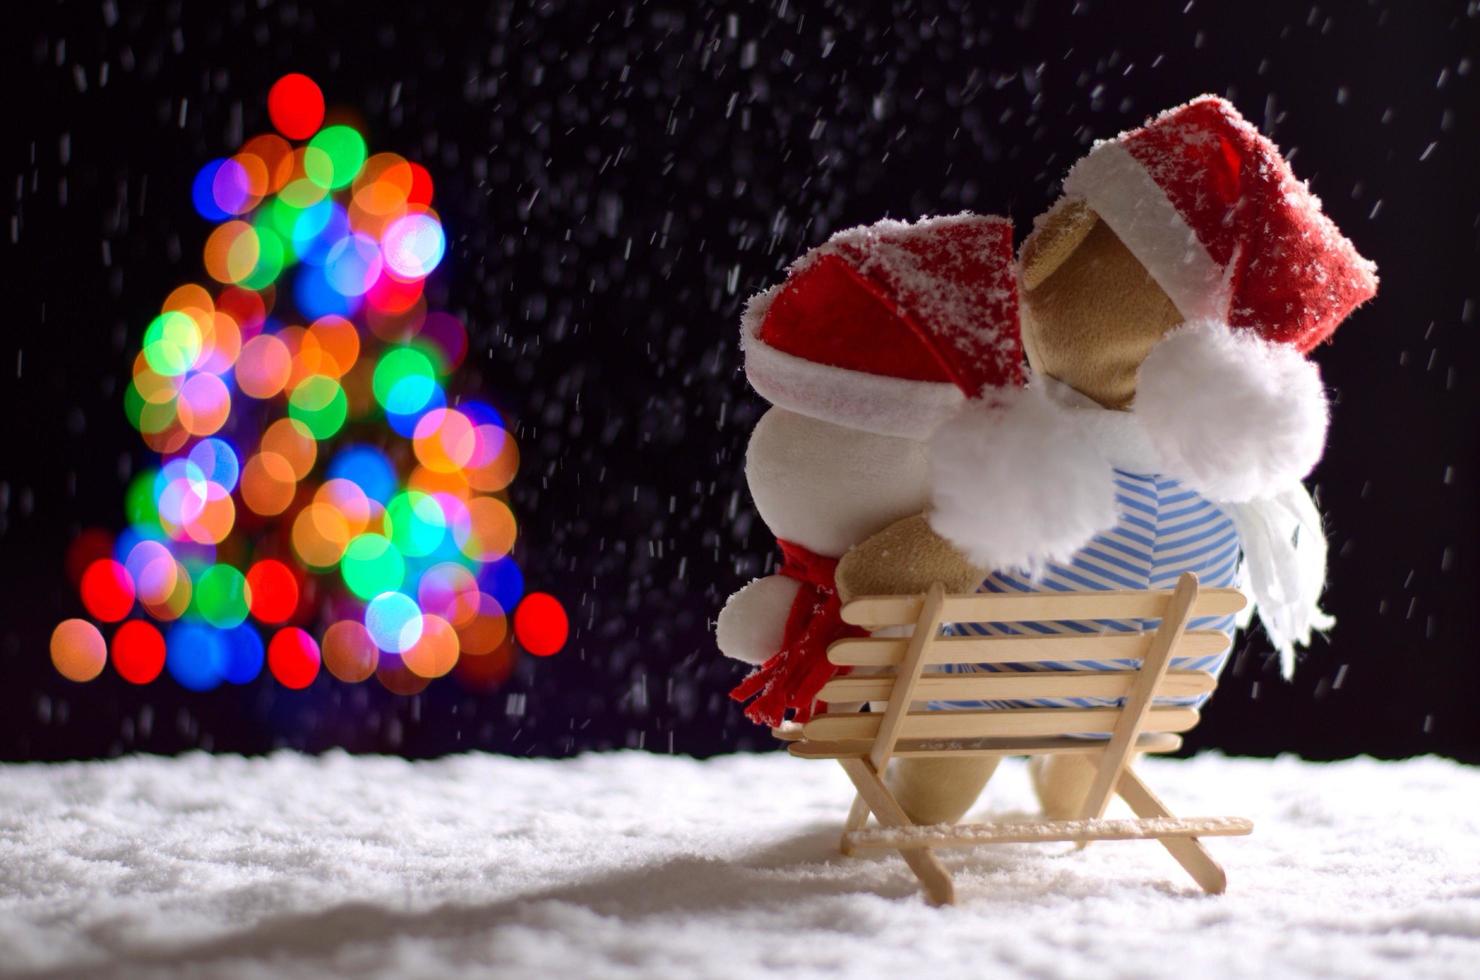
<point>296,105</point>
<point>138,652</point>
<point>274,591</point>
<point>389,295</point>
<point>293,658</point>
<point>540,624</point>
<point>245,307</point>
<point>421,185</point>
<point>483,673</point>
<point>107,590</point>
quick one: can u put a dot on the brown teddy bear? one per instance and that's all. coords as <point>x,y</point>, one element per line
<point>1168,300</point>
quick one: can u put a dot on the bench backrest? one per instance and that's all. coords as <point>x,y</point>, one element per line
<point>900,676</point>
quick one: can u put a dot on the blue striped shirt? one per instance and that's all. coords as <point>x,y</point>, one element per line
<point>1164,530</point>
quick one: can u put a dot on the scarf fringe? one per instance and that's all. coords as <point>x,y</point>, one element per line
<point>1285,567</point>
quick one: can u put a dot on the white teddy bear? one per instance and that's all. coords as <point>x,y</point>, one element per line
<point>874,339</point>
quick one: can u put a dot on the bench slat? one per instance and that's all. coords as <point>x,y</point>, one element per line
<point>920,748</point>
<point>1017,686</point>
<point>888,651</point>
<point>1046,831</point>
<point>1016,607</point>
<point>1004,722</point>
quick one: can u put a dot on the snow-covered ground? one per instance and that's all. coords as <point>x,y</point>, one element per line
<point>646,866</point>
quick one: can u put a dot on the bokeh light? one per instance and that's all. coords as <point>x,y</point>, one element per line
<point>334,156</point>
<point>324,492</point>
<point>413,245</point>
<point>540,624</point>
<point>353,265</point>
<point>404,381</point>
<point>273,591</point>
<point>138,652</point>
<point>77,650</point>
<point>394,621</point>
<point>195,655</point>
<point>296,106</point>
<point>242,655</point>
<point>435,652</point>
<point>349,653</point>
<point>263,367</point>
<point>372,565</point>
<point>107,590</point>
<point>222,596</point>
<point>293,658</point>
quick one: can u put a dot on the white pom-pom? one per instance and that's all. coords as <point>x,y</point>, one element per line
<point>1232,415</point>
<point>1017,484</point>
<point>752,622</point>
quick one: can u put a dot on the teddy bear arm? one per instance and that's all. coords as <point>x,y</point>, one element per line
<point>751,624</point>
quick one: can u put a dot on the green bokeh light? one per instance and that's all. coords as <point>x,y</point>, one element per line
<point>415,523</point>
<point>222,597</point>
<point>372,565</point>
<point>280,217</point>
<point>139,504</point>
<point>155,417</point>
<point>133,406</point>
<point>302,193</point>
<point>404,381</point>
<point>334,156</point>
<point>171,343</point>
<point>319,403</point>
<point>271,257</point>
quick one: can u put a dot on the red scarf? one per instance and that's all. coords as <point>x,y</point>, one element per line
<point>794,674</point>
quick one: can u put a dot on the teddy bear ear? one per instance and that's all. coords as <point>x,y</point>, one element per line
<point>1056,234</point>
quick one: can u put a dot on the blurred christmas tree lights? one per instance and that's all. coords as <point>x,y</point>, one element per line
<point>313,467</point>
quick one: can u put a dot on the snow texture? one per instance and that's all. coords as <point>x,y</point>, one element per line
<point>633,865</point>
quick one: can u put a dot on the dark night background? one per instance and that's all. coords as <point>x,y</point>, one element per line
<point>616,179</point>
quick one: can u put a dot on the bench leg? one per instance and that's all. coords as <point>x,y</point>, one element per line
<point>857,818</point>
<point>1189,851</point>
<point>939,888</point>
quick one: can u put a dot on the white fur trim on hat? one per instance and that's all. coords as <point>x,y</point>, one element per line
<point>1117,188</point>
<point>1233,416</point>
<point>856,399</point>
<point>1017,483</point>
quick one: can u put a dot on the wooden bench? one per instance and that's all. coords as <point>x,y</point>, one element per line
<point>863,742</point>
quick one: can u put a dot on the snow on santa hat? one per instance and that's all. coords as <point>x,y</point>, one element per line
<point>1260,275</point>
<point>890,327</point>
<point>1213,212</point>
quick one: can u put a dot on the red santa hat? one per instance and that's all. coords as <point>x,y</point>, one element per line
<point>1260,274</point>
<point>1212,211</point>
<point>891,327</point>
